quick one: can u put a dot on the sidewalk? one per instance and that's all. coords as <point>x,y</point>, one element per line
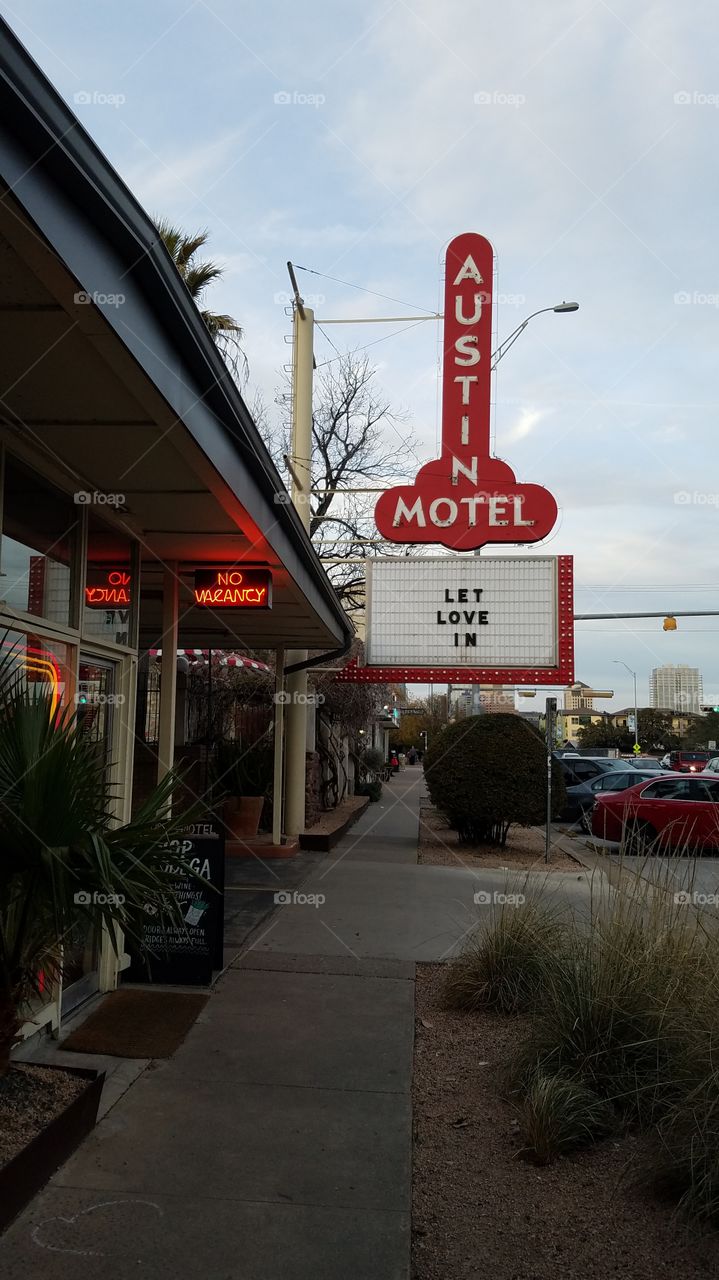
<point>276,1143</point>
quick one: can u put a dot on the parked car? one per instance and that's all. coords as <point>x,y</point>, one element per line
<point>688,761</point>
<point>647,764</point>
<point>578,768</point>
<point>580,798</point>
<point>666,813</point>
<point>712,766</point>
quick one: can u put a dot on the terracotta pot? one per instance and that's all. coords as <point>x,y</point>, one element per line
<point>242,816</point>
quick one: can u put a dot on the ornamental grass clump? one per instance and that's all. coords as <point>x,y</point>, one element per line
<point>486,773</point>
<point>626,1016</point>
<point>506,964</point>
<point>559,1115</point>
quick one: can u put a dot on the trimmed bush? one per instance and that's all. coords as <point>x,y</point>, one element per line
<point>486,773</point>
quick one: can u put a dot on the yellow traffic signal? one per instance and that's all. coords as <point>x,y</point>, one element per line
<point>670,623</point>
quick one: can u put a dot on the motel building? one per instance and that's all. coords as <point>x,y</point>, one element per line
<point>140,508</point>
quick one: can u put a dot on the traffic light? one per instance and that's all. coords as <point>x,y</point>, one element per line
<point>670,623</point>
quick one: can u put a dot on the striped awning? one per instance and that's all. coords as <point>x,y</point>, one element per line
<point>200,656</point>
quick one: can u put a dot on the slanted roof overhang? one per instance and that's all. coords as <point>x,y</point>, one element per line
<point>127,392</point>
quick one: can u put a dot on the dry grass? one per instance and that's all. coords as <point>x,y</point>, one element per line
<point>625,1025</point>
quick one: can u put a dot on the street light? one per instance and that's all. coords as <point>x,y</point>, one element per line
<point>561,308</point>
<point>633,674</point>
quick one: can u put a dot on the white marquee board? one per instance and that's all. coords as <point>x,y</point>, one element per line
<point>463,611</point>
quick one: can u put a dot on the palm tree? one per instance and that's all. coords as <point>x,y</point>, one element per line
<point>197,275</point>
<point>63,864</point>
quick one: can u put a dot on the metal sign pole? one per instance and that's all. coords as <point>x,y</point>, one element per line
<point>550,729</point>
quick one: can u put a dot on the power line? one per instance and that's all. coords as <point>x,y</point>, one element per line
<point>349,285</point>
<point>367,345</point>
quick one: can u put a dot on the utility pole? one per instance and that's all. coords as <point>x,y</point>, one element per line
<point>301,471</point>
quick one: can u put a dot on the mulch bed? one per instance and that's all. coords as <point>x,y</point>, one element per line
<point>524,851</point>
<point>479,1212</point>
<point>137,1024</point>
<point>30,1097</point>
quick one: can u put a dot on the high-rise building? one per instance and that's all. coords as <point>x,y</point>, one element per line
<point>676,688</point>
<point>575,698</point>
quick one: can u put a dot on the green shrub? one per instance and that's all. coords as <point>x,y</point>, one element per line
<point>505,966</point>
<point>487,772</point>
<point>372,759</point>
<point>560,1115</point>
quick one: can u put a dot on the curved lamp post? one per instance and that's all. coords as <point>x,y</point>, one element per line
<point>503,347</point>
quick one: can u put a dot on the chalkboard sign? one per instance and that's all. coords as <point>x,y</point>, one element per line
<point>186,952</point>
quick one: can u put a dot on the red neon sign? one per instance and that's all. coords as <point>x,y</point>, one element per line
<point>112,593</point>
<point>229,588</point>
<point>466,498</point>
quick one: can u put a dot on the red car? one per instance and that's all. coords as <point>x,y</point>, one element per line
<point>669,812</point>
<point>688,761</point>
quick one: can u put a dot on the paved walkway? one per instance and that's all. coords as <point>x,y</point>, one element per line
<point>276,1142</point>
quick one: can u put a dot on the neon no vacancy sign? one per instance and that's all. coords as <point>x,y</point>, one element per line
<point>112,591</point>
<point>226,587</point>
<point>466,498</point>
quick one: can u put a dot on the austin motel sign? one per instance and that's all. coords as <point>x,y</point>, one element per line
<point>465,500</point>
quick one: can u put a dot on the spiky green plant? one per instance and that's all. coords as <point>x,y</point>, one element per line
<point>59,841</point>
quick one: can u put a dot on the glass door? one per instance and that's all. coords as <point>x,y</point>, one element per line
<point>95,699</point>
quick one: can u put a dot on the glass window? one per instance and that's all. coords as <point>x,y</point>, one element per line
<point>109,593</point>
<point>42,664</point>
<point>667,789</point>
<point>701,790</point>
<point>39,536</point>
<point>585,769</point>
<point>616,781</point>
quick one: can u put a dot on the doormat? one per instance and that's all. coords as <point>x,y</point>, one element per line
<point>137,1024</point>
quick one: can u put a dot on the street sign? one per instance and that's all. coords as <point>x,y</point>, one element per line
<point>466,498</point>
<point>637,749</point>
<point>187,952</point>
<point>472,620</point>
<point>631,724</point>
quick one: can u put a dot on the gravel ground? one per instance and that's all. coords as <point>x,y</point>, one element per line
<point>439,847</point>
<point>479,1212</point>
<point>30,1097</point>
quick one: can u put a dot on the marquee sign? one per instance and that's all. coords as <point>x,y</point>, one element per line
<point>468,620</point>
<point>228,587</point>
<point>466,498</point>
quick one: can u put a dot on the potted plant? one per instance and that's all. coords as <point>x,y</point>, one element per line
<point>242,779</point>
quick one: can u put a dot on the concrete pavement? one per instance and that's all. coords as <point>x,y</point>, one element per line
<point>277,1140</point>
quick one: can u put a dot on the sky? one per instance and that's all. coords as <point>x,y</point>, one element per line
<point>357,140</point>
